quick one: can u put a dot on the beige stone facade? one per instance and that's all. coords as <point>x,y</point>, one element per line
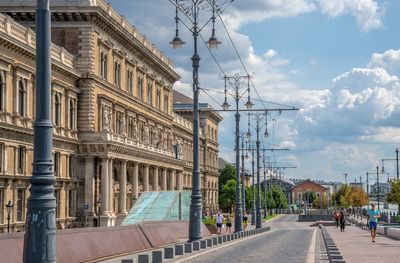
<point>115,128</point>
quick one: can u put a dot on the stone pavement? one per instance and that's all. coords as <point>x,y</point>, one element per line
<point>355,245</point>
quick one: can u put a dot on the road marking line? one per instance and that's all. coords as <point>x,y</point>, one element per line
<point>311,250</point>
<point>213,248</point>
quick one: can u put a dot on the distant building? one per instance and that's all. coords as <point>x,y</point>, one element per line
<point>384,188</point>
<point>301,188</point>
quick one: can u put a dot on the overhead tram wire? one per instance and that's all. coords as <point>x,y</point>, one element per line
<point>240,58</point>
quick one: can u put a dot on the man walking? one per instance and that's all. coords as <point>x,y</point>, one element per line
<point>373,216</point>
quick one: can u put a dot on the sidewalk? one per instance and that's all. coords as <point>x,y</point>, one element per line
<point>355,246</point>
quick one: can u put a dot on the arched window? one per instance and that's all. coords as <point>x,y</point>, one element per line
<point>2,91</point>
<point>71,115</point>
<point>21,98</point>
<point>150,93</point>
<point>117,73</point>
<point>140,88</point>
<point>57,110</point>
<point>103,65</point>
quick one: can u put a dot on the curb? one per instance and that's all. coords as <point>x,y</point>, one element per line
<point>169,252</point>
<point>333,252</point>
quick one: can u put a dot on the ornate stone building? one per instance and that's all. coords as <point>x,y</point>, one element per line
<point>115,129</point>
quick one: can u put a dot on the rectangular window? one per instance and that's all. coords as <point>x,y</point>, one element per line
<point>71,207</point>
<point>20,205</point>
<point>57,195</point>
<point>21,159</point>
<point>71,166</point>
<point>56,164</point>
<point>1,206</point>
<point>166,102</point>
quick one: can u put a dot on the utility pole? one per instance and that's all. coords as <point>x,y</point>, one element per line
<point>243,180</point>
<point>40,235</point>
<point>253,203</point>
<point>258,212</point>
<point>368,189</point>
<point>377,179</point>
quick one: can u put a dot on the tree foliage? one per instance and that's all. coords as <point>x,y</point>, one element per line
<point>227,195</point>
<point>225,174</point>
<point>309,197</point>
<point>353,196</point>
<point>394,194</point>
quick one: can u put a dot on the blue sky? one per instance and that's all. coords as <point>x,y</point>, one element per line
<point>336,60</point>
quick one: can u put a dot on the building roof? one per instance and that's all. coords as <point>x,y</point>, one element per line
<point>180,98</point>
<point>309,181</point>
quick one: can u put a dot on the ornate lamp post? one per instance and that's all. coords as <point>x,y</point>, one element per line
<point>237,78</point>
<point>40,235</point>
<point>9,207</point>
<point>192,10</point>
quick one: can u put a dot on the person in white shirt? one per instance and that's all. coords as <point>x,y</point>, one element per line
<point>220,219</point>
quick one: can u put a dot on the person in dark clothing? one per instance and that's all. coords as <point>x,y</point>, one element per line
<point>342,221</point>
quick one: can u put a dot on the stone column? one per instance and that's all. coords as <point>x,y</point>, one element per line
<point>135,181</point>
<point>104,186</point>
<point>155,179</point>
<point>146,178</point>
<point>110,187</point>
<point>89,186</point>
<point>179,178</point>
<point>164,180</point>
<point>122,188</point>
<point>171,180</point>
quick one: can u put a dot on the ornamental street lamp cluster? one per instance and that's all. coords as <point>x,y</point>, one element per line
<point>192,10</point>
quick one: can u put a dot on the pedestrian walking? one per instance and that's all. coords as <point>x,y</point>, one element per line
<point>219,220</point>
<point>245,219</point>
<point>373,216</point>
<point>336,216</point>
<point>342,219</point>
<point>228,224</point>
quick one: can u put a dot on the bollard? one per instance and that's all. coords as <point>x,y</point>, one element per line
<point>224,238</point>
<point>178,250</point>
<point>196,245</point>
<point>219,240</point>
<point>143,258</point>
<point>168,252</point>
<point>215,241</point>
<point>157,256</point>
<point>228,237</point>
<point>209,242</point>
<point>203,244</point>
<point>188,247</point>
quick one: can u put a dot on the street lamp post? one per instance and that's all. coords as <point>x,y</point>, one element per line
<point>225,106</point>
<point>258,209</point>
<point>253,203</point>
<point>9,207</point>
<point>192,9</point>
<point>397,163</point>
<point>377,180</point>
<point>243,180</point>
<point>40,235</point>
<point>368,189</point>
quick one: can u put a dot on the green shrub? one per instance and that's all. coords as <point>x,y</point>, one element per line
<point>209,221</point>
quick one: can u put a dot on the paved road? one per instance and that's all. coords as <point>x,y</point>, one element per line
<point>288,241</point>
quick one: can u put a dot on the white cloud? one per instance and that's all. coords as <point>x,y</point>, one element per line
<point>390,60</point>
<point>368,13</point>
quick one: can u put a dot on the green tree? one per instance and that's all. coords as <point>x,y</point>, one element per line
<point>249,197</point>
<point>340,196</point>
<point>357,197</point>
<point>394,194</point>
<point>225,174</point>
<point>279,198</point>
<point>227,195</point>
<point>309,197</point>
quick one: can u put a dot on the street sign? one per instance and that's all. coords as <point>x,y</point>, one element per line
<point>86,206</point>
